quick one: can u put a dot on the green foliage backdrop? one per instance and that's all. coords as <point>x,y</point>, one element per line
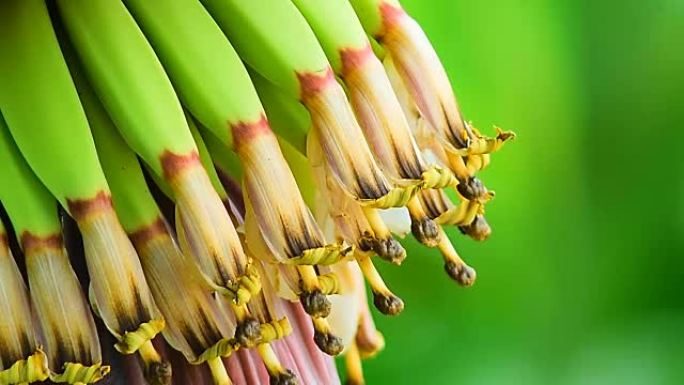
<point>582,281</point>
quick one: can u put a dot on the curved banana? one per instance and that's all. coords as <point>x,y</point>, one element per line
<point>41,108</point>
<point>67,326</point>
<point>422,73</point>
<point>215,86</point>
<point>134,89</point>
<point>375,104</point>
<point>285,113</point>
<point>272,37</point>
<point>195,324</point>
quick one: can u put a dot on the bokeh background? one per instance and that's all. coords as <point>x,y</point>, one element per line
<point>582,281</point>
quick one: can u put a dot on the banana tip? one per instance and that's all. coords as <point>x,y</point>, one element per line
<point>315,303</point>
<point>284,378</point>
<point>328,343</point>
<point>388,304</point>
<point>425,230</point>
<point>472,189</point>
<point>463,274</point>
<point>478,230</point>
<point>159,373</point>
<point>248,332</point>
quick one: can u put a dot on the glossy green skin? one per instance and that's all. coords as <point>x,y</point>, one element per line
<point>336,26</point>
<point>132,199</point>
<point>368,12</point>
<point>29,204</point>
<point>40,104</point>
<point>207,73</point>
<point>288,118</point>
<point>127,77</point>
<point>272,37</point>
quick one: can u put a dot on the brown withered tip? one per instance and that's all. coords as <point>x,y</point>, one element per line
<point>463,274</point>
<point>479,230</point>
<point>284,378</point>
<point>366,242</point>
<point>159,373</point>
<point>315,303</point>
<point>389,249</point>
<point>425,230</point>
<point>328,343</point>
<point>248,332</point>
<point>472,189</point>
<point>388,304</point>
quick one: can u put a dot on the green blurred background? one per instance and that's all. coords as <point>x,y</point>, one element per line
<point>582,280</point>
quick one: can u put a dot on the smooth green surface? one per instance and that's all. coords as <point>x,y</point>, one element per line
<point>582,281</point>
<point>205,70</point>
<point>40,104</point>
<point>133,201</point>
<point>29,204</point>
<point>272,37</point>
<point>344,31</point>
<point>128,78</point>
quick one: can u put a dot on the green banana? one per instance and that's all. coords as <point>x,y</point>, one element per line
<point>375,104</point>
<point>350,219</point>
<point>195,325</point>
<point>287,115</point>
<point>422,73</point>
<point>67,327</point>
<point>134,89</point>
<point>309,286</point>
<point>41,108</point>
<point>370,91</point>
<point>214,85</point>
<point>273,38</point>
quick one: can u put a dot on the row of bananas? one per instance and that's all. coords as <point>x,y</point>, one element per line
<point>232,168</point>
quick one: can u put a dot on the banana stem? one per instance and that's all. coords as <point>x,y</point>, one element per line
<point>457,269</point>
<point>352,361</point>
<point>383,298</point>
<point>314,301</point>
<point>148,353</point>
<point>383,243</point>
<point>273,365</point>
<point>218,372</point>
<point>157,371</point>
<point>423,228</point>
<point>324,339</point>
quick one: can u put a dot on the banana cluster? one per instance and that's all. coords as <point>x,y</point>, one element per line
<point>232,167</point>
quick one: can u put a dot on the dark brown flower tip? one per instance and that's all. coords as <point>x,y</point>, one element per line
<point>248,332</point>
<point>425,231</point>
<point>388,304</point>
<point>159,373</point>
<point>478,230</point>
<point>283,378</point>
<point>328,343</point>
<point>463,274</point>
<point>472,189</point>
<point>388,249</point>
<point>315,303</point>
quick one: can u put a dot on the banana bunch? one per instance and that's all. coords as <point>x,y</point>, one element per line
<point>232,168</point>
